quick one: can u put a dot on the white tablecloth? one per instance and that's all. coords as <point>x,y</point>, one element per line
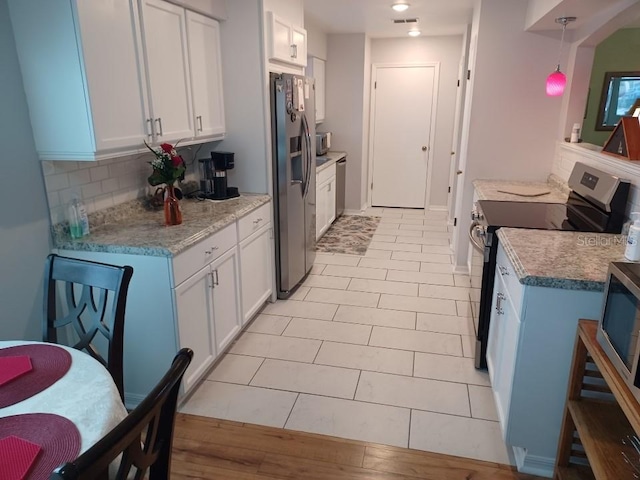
<point>86,395</point>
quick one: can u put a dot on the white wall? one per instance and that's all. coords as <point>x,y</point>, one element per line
<point>245,90</point>
<point>345,107</point>
<point>446,51</point>
<point>316,39</point>
<point>24,223</point>
<point>512,124</point>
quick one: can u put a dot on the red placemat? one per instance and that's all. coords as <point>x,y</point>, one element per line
<point>49,363</point>
<point>58,438</point>
<point>17,455</point>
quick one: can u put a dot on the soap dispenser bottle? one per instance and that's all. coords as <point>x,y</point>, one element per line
<point>632,251</point>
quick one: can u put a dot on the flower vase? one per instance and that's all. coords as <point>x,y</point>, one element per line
<point>172,212</point>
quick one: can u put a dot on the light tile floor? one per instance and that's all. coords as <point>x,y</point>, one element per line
<point>375,348</point>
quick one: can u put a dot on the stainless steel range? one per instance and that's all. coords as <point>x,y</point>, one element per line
<point>596,203</point>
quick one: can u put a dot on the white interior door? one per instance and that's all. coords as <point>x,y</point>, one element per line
<point>402,129</point>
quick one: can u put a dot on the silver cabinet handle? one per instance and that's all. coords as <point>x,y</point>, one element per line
<point>503,270</point>
<point>424,148</point>
<point>499,298</point>
<point>257,221</point>
<point>199,119</point>
<point>159,122</point>
<point>149,128</point>
<point>216,282</point>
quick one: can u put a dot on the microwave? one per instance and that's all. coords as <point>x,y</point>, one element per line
<point>620,322</point>
<point>323,143</point>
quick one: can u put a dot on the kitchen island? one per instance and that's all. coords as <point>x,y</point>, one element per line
<point>194,285</point>
<point>545,282</point>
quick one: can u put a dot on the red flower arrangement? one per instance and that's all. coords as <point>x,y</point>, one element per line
<point>168,166</point>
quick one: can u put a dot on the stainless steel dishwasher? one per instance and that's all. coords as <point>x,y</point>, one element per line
<point>341,173</point>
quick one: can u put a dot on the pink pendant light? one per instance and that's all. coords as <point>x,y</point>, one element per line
<point>556,83</point>
<point>558,80</point>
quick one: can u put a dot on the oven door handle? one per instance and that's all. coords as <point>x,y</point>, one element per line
<point>472,228</point>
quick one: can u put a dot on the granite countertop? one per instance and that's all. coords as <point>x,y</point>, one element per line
<point>131,229</point>
<point>559,259</point>
<point>490,190</point>
<point>332,157</point>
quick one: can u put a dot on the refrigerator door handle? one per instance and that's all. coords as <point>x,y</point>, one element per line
<point>308,159</point>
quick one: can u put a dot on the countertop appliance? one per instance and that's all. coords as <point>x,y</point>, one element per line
<point>596,203</point>
<point>323,142</point>
<point>294,178</point>
<point>620,322</point>
<point>341,175</point>
<point>213,176</point>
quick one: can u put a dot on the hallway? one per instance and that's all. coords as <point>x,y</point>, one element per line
<point>374,348</point>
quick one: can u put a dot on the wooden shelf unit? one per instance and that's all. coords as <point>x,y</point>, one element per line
<point>600,412</point>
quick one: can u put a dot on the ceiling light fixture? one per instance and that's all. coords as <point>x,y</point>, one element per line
<point>414,33</point>
<point>400,7</point>
<point>558,80</point>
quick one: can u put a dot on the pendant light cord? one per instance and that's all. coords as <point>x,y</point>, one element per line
<point>564,27</point>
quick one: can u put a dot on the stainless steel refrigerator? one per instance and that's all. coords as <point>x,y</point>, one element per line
<point>294,178</point>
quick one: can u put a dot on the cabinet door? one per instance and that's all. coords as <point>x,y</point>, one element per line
<point>299,43</point>
<point>504,332</point>
<point>115,77</point>
<point>279,41</point>
<point>319,76</point>
<point>165,40</point>
<point>321,209</point>
<point>256,271</point>
<point>226,299</point>
<point>331,202</point>
<point>194,307</point>
<point>206,74</point>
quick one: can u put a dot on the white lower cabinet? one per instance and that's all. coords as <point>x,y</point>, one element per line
<point>199,299</point>
<point>256,271</point>
<point>225,289</point>
<point>325,200</point>
<point>194,305</point>
<point>531,336</point>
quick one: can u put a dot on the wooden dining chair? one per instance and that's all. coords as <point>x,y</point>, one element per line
<point>88,298</point>
<point>143,439</point>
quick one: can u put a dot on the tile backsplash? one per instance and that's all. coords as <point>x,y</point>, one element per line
<point>106,183</point>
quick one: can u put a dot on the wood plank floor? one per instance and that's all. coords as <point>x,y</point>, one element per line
<point>207,448</point>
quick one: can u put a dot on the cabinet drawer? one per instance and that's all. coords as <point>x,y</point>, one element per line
<point>253,221</point>
<point>509,277</point>
<point>202,253</point>
<point>326,174</point>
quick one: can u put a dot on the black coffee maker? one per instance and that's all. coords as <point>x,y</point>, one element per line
<point>213,176</point>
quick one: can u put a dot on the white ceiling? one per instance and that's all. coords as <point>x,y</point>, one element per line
<point>374,17</point>
<point>435,17</point>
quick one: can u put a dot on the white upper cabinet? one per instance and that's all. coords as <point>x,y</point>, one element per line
<point>316,69</point>
<point>83,81</point>
<point>286,43</point>
<point>206,74</point>
<point>165,40</point>
<point>101,77</point>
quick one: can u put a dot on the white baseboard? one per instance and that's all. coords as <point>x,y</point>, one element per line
<point>533,464</point>
<point>353,212</point>
<point>438,208</point>
<point>461,269</point>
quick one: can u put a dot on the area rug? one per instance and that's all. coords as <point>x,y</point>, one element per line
<point>350,234</point>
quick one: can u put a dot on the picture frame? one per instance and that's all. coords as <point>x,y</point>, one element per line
<point>620,91</point>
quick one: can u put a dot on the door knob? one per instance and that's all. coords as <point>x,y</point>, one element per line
<point>424,148</point>
<point>459,172</point>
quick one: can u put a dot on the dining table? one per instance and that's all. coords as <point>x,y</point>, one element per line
<point>55,403</point>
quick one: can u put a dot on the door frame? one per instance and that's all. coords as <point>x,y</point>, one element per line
<point>434,111</point>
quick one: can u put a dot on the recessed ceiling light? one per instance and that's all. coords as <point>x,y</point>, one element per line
<point>400,7</point>
<point>414,33</point>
